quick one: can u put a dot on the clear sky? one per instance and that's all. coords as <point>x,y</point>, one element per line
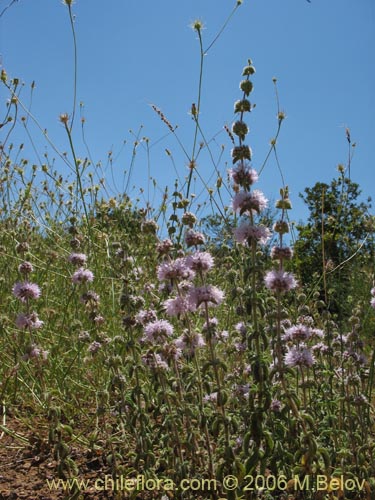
<point>132,53</point>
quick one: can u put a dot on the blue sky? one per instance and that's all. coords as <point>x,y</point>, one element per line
<point>132,53</point>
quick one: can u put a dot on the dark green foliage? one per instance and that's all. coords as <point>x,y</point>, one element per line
<point>336,243</point>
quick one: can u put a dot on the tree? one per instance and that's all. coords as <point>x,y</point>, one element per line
<point>335,244</point>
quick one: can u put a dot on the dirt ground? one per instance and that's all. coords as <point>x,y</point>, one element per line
<point>28,468</point>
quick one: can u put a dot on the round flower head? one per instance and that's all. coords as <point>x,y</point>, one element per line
<point>194,238</point>
<point>206,294</point>
<point>280,281</point>
<point>281,253</point>
<point>145,316</point>
<point>25,268</point>
<point>164,247</point>
<point>26,291</point>
<point>157,331</point>
<point>247,232</point>
<point>82,276</point>
<point>188,342</point>
<point>297,333</point>
<point>176,269</point>
<point>200,261</point>
<point>253,201</point>
<point>188,219</point>
<point>78,259</point>
<point>275,406</point>
<point>177,306</point>
<point>299,356</point>
<point>243,175</point>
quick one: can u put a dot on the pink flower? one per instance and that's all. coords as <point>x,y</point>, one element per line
<point>25,291</point>
<point>297,333</point>
<point>177,306</point>
<point>247,232</point>
<point>206,294</point>
<point>200,261</point>
<point>243,175</point>
<point>82,276</point>
<point>176,269</point>
<point>157,331</point>
<point>280,281</point>
<point>299,356</point>
<point>253,201</point>
<point>189,342</point>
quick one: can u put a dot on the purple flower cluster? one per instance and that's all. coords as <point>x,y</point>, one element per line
<point>279,281</point>
<point>372,302</point>
<point>300,356</point>
<point>82,276</point>
<point>26,291</point>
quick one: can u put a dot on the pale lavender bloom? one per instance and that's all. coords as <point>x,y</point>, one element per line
<point>94,347</point>
<point>372,291</point>
<point>194,238</point>
<point>82,276</point>
<point>29,321</point>
<point>372,303</point>
<point>145,316</point>
<point>280,281</point>
<point>78,259</point>
<point>206,294</point>
<point>221,336</point>
<point>243,174</point>
<point>200,261</point>
<point>211,397</point>
<point>176,269</point>
<point>297,333</point>
<point>189,342</point>
<point>25,267</point>
<point>253,201</point>
<point>247,232</point>
<point>26,291</point>
<point>241,328</point>
<point>157,330</point>
<point>299,356</point>
<point>275,406</point>
<point>177,306</point>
